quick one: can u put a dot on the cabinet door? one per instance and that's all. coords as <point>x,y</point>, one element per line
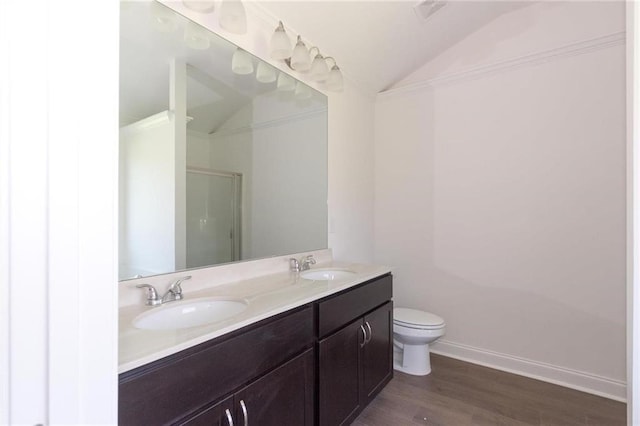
<point>377,354</point>
<point>340,375</point>
<point>220,414</point>
<point>284,396</point>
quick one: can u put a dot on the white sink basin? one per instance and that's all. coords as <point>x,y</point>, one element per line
<point>326,274</point>
<point>189,313</point>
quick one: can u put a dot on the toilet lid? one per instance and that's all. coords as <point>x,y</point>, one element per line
<point>414,317</point>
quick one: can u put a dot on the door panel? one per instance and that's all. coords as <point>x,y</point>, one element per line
<point>377,354</point>
<point>340,375</point>
<point>283,397</point>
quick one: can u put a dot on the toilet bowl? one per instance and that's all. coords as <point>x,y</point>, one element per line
<point>413,331</point>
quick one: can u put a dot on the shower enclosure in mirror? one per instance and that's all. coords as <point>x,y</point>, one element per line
<point>214,206</point>
<point>215,166</point>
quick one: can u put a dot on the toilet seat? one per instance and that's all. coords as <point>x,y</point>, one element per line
<point>413,318</point>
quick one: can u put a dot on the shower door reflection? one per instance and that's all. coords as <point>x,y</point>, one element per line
<point>213,217</point>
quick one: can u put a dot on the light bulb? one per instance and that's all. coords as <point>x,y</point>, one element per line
<point>233,17</point>
<point>335,82</point>
<point>199,6</point>
<point>286,82</point>
<point>241,62</point>
<point>265,73</point>
<point>319,69</point>
<point>300,57</point>
<point>280,43</point>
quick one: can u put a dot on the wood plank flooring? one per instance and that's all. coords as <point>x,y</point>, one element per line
<point>458,393</point>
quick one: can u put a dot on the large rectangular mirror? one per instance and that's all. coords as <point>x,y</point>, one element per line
<point>217,164</point>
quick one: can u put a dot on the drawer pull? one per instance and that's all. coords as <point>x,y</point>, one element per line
<point>244,412</point>
<point>229,418</point>
<point>370,332</point>
<point>364,336</point>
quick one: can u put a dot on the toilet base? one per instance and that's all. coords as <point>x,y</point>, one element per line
<point>412,359</point>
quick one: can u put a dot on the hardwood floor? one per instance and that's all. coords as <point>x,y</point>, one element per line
<point>458,393</point>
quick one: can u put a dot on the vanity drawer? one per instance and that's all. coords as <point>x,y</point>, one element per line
<point>341,309</point>
<point>164,391</point>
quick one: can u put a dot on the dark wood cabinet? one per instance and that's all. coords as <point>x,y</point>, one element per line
<point>339,375</point>
<point>356,361</point>
<point>320,363</point>
<point>284,396</point>
<point>354,365</point>
<point>377,354</point>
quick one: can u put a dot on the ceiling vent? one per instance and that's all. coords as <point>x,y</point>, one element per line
<point>426,9</point>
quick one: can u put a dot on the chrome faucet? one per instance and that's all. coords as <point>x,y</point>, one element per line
<point>173,293</point>
<point>303,264</point>
<point>152,295</point>
<point>294,265</point>
<point>306,262</point>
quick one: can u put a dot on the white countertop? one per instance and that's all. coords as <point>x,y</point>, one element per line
<point>267,296</point>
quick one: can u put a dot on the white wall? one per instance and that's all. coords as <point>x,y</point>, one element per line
<point>198,149</point>
<point>500,194</point>
<point>234,153</point>
<point>269,142</point>
<point>58,362</point>
<point>351,177</point>
<point>294,148</point>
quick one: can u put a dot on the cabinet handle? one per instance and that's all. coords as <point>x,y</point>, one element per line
<point>229,418</point>
<point>370,332</point>
<point>244,413</point>
<point>364,336</point>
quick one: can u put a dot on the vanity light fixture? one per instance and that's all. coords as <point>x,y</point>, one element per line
<point>202,6</point>
<point>335,82</point>
<point>300,60</point>
<point>280,43</point>
<point>241,62</point>
<point>233,17</point>
<point>319,69</point>
<point>265,73</point>
<point>196,37</point>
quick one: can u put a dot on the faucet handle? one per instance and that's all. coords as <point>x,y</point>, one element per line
<point>306,261</point>
<point>152,294</point>
<point>294,265</point>
<point>175,287</point>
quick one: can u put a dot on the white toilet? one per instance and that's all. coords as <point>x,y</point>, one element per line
<point>413,331</point>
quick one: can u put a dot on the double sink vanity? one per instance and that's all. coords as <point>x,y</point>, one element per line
<point>283,348</point>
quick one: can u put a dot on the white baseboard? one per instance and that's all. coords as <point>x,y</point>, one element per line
<point>585,382</point>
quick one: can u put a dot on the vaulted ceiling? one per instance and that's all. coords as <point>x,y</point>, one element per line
<point>378,43</point>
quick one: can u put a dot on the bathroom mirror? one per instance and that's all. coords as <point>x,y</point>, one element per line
<point>222,158</point>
